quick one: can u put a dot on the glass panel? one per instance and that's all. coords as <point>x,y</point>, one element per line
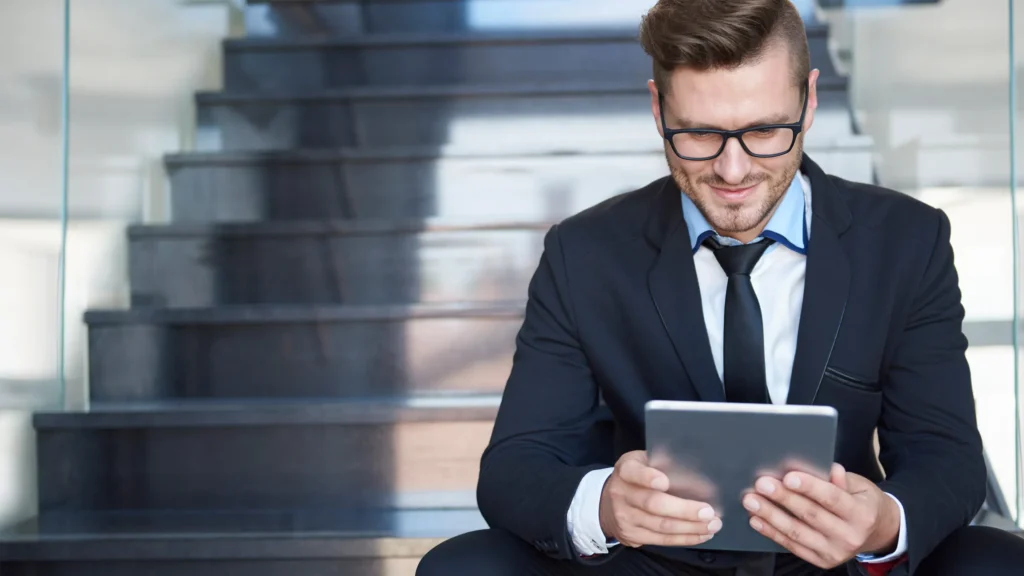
<point>31,68</point>
<point>135,66</point>
<point>929,86</point>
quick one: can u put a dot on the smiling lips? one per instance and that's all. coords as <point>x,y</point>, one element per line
<point>733,194</point>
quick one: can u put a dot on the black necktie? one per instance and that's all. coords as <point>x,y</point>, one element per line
<point>743,336</point>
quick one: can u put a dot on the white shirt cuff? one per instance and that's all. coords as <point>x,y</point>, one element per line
<point>901,542</point>
<point>584,516</point>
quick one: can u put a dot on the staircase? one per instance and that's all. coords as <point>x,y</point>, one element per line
<point>318,340</point>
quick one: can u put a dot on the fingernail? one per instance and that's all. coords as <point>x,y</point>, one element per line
<point>793,481</point>
<point>705,537</point>
<point>714,526</point>
<point>765,486</point>
<point>756,524</point>
<point>750,503</point>
<point>706,514</point>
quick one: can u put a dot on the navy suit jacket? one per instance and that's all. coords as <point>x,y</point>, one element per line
<point>614,319</point>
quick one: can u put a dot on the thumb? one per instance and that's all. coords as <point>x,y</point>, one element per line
<point>838,476</point>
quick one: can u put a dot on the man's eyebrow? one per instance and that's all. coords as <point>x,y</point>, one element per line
<point>687,124</point>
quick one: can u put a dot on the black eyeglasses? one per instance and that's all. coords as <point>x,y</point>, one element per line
<point>699,144</point>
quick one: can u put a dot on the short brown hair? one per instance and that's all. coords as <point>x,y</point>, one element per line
<point>710,34</point>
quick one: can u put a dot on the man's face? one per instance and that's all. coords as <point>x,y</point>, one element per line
<point>736,192</point>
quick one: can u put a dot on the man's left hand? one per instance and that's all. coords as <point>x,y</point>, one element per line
<point>825,522</point>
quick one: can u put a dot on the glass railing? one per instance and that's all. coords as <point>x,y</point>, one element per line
<point>930,87</point>
<point>31,224</point>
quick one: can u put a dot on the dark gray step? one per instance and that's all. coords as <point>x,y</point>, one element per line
<point>528,185</point>
<point>304,18</point>
<point>249,456</point>
<point>491,117</point>
<point>181,543</point>
<point>478,58</point>
<point>301,351</point>
<point>497,57</point>
<point>354,262</point>
<point>313,17</point>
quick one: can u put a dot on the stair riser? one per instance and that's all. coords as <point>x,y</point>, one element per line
<point>522,189</point>
<point>329,358</point>
<point>262,467</point>
<point>328,567</point>
<point>317,68</point>
<point>491,122</point>
<point>211,269</point>
<point>539,189</point>
<point>495,123</point>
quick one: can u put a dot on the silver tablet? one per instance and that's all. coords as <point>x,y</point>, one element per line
<point>713,452</point>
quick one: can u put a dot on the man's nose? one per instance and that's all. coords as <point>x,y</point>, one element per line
<point>733,164</point>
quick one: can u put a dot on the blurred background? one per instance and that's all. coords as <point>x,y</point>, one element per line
<point>263,262</point>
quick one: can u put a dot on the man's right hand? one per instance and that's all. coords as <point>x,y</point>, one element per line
<point>636,509</point>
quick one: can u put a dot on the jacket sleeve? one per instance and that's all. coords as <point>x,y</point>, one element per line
<point>930,445</point>
<point>548,424</point>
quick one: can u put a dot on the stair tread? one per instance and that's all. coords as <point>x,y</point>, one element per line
<point>337,227</point>
<point>435,38</point>
<point>227,412</point>
<point>540,88</point>
<point>223,535</point>
<point>271,313</point>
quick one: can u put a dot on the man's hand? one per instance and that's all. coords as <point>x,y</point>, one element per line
<point>825,523</point>
<point>637,511</point>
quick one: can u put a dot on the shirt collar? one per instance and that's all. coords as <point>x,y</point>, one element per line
<point>786,226</point>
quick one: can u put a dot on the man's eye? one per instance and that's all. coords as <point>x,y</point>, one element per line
<point>766,132</point>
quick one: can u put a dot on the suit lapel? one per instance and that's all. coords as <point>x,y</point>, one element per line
<point>676,294</point>
<point>826,287</point>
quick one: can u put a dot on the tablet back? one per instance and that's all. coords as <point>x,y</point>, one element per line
<point>713,452</point>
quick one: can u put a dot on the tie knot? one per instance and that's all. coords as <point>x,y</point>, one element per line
<point>739,259</point>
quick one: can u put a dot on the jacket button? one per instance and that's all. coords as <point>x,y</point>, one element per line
<point>707,557</point>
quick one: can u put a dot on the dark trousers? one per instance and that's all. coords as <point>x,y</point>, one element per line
<point>969,551</point>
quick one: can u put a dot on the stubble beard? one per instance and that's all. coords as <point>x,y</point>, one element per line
<point>737,219</point>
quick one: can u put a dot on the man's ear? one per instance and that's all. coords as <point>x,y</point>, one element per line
<point>655,106</point>
<point>812,99</point>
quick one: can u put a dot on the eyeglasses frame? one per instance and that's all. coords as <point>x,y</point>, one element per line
<point>796,127</point>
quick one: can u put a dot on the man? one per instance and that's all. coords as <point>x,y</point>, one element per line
<point>749,275</point>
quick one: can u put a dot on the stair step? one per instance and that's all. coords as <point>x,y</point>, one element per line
<point>360,454</point>
<point>487,116</point>
<point>272,543</point>
<point>301,351</point>
<point>291,18</point>
<point>473,58</point>
<point>303,18</point>
<point>352,262</point>
<point>484,57</point>
<point>527,185</point>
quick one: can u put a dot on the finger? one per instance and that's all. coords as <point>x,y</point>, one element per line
<point>830,496</point>
<point>672,526</point>
<point>801,507</point>
<point>781,539</point>
<point>666,505</point>
<point>788,527</point>
<point>643,537</point>
<point>636,471</point>
<point>839,476</point>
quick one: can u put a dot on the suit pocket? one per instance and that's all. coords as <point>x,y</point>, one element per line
<point>855,382</point>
